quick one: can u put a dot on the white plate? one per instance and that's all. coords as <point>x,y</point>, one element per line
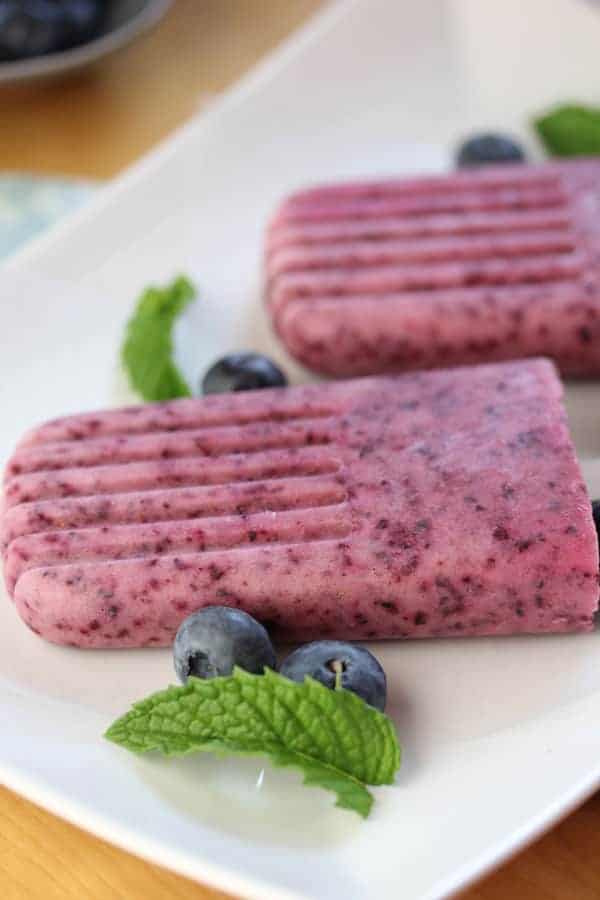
<point>500,736</point>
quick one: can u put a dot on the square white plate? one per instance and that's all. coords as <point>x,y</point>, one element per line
<point>500,735</point>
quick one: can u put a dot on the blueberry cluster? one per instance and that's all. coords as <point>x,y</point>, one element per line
<point>31,28</point>
<point>212,641</point>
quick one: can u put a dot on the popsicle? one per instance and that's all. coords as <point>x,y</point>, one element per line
<point>401,274</point>
<point>431,504</point>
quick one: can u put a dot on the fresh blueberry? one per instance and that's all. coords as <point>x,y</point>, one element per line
<point>489,148</point>
<point>242,372</point>
<point>34,27</point>
<point>84,20</point>
<point>213,640</point>
<point>336,662</point>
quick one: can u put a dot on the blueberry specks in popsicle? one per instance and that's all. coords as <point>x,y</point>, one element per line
<point>410,566</point>
<point>450,599</point>
<point>389,606</point>
<point>474,503</point>
<point>524,544</point>
<point>312,538</point>
<point>488,263</point>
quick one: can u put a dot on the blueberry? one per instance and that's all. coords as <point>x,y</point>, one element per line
<point>213,640</point>
<point>34,27</point>
<point>84,15</point>
<point>242,372</point>
<point>596,516</point>
<point>489,148</point>
<point>327,661</point>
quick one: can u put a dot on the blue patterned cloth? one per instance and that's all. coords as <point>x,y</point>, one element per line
<point>29,204</point>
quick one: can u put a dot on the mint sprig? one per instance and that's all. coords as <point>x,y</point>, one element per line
<point>337,740</point>
<point>571,130</point>
<point>147,351</point>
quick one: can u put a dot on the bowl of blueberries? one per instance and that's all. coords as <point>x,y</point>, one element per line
<point>40,38</point>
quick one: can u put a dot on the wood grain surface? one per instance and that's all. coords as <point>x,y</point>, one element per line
<point>92,125</point>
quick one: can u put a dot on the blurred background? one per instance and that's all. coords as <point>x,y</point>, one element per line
<point>76,116</point>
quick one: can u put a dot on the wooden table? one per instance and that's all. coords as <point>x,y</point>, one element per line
<point>93,125</point>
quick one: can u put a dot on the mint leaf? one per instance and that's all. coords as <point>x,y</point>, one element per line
<point>351,793</point>
<point>570,131</point>
<point>147,351</point>
<point>337,740</point>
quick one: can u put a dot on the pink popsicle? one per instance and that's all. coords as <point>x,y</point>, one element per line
<point>432,504</point>
<point>400,274</point>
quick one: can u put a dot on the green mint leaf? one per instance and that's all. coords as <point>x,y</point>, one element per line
<point>570,131</point>
<point>147,351</point>
<point>337,740</point>
<point>351,793</point>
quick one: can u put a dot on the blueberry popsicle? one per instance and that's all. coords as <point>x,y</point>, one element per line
<point>430,504</point>
<point>402,274</point>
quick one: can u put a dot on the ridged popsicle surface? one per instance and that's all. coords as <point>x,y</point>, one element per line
<point>431,504</point>
<point>401,274</point>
